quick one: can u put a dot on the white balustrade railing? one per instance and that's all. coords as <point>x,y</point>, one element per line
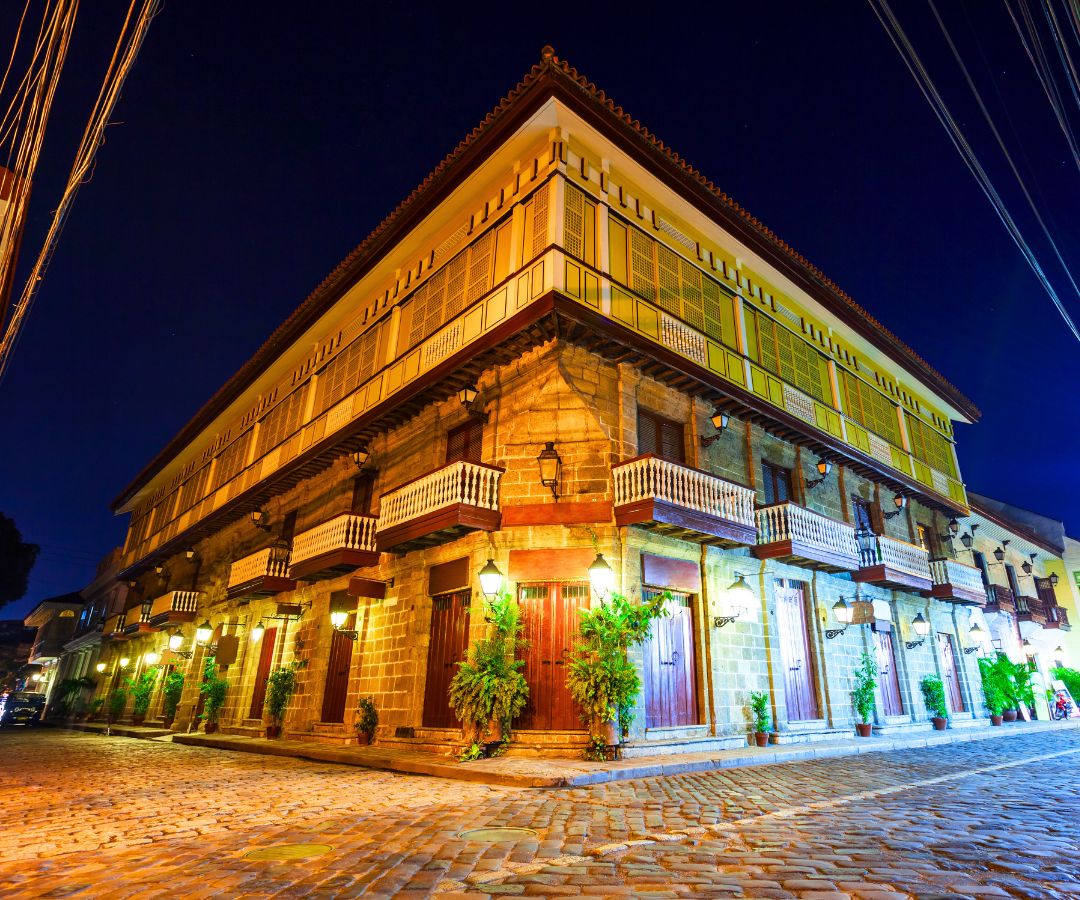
<point>900,556</point>
<point>650,478</point>
<point>345,532</point>
<point>958,574</point>
<point>269,563</point>
<point>175,601</point>
<point>810,530</point>
<point>460,482</point>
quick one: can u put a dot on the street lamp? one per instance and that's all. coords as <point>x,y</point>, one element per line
<point>922,628</point>
<point>491,580</point>
<point>100,667</point>
<point>152,658</point>
<point>844,614</point>
<point>737,599</point>
<point>601,577</point>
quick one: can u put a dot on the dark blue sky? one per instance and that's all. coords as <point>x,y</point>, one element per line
<point>255,149</point>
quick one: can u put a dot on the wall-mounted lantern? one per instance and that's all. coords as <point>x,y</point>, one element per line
<point>843,613</point>
<point>203,633</point>
<point>124,662</point>
<point>719,422</point>
<point>260,519</point>
<point>601,577</point>
<point>978,636</point>
<point>491,580</point>
<point>736,600</point>
<point>999,553</point>
<point>900,502</point>
<point>1053,579</point>
<point>258,631</point>
<point>824,467</point>
<point>968,537</point>
<point>550,468</point>
<point>338,618</point>
<point>152,658</point>
<point>189,554</point>
<point>922,628</point>
<point>100,667</point>
<point>1027,565</point>
<point>360,458</point>
<point>468,397</point>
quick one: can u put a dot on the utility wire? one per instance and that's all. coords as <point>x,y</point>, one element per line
<point>929,91</point>
<point>1063,50</point>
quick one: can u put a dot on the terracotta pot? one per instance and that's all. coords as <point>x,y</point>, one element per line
<point>273,731</point>
<point>470,733</point>
<point>940,724</point>
<point>363,738</point>
<point>494,732</point>
<point>865,729</point>
<point>609,731</point>
<point>210,727</point>
<point>1009,715</point>
<point>995,720</point>
<point>761,738</point>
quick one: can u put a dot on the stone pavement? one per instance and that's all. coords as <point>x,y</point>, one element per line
<point>84,815</point>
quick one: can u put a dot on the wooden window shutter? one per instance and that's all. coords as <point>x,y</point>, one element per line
<point>642,267</point>
<point>667,263</point>
<point>672,443</point>
<point>539,210</point>
<point>712,297</point>
<point>465,442</point>
<point>690,277</point>
<point>647,436</point>
<point>877,518</point>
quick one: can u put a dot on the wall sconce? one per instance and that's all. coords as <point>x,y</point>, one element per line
<point>468,397</point>
<point>1025,645</point>
<point>953,530</point>
<point>491,580</point>
<point>977,636</point>
<point>824,467</point>
<point>338,618</point>
<point>922,628</point>
<point>360,458</point>
<point>900,502</point>
<point>843,612</point>
<point>258,631</point>
<point>1027,564</point>
<point>601,577</point>
<point>124,661</point>
<point>1053,579</point>
<point>719,422</point>
<point>550,467</point>
<point>176,641</point>
<point>999,553</point>
<point>1059,650</point>
<point>36,676</point>
<point>260,520</point>
<point>152,658</point>
<point>968,538</point>
<point>203,633</point>
<point>738,598</point>
<point>100,668</point>
<point>189,553</point>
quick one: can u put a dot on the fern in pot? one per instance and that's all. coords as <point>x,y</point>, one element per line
<point>141,689</point>
<point>280,687</point>
<point>367,719</point>
<point>863,697</point>
<point>172,688</point>
<point>933,691</point>
<point>759,707</point>
<point>213,689</point>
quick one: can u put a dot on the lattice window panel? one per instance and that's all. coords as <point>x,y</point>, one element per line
<point>930,447</point>
<point>798,404</point>
<point>574,222</point>
<point>712,300</point>
<point>480,266</point>
<point>350,368</point>
<point>456,270</point>
<point>194,488</point>
<point>539,210</point>
<point>789,356</point>
<point>231,459</point>
<point>442,345</point>
<point>667,265</point>
<point>280,422</point>
<point>692,301</point>
<point>642,274</point>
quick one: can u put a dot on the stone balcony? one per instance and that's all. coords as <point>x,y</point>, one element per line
<point>791,533</point>
<point>175,606</point>
<point>956,581</point>
<point>677,500</point>
<point>896,565</point>
<point>440,506</point>
<point>260,574</point>
<point>332,548</point>
<point>999,599</point>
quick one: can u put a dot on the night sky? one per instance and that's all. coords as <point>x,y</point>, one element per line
<point>253,151</point>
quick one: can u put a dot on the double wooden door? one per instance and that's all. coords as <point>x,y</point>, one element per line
<point>949,674</point>
<point>337,673</point>
<point>449,639</point>
<point>800,696</point>
<point>670,682</point>
<point>266,660</point>
<point>889,680</point>
<point>549,614</point>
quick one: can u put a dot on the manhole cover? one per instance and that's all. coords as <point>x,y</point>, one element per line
<point>496,834</point>
<point>289,851</point>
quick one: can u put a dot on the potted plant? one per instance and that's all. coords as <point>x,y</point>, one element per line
<point>759,706</point>
<point>95,708</point>
<point>367,719</point>
<point>141,688</point>
<point>933,691</point>
<point>212,688</point>
<point>117,702</point>
<point>600,677</point>
<point>280,687</point>
<point>993,689</point>
<point>863,696</point>
<point>489,690</point>
<point>172,688</point>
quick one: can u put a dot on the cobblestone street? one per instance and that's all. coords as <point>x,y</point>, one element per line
<point>87,815</point>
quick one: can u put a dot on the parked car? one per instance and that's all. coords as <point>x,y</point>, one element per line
<point>21,708</point>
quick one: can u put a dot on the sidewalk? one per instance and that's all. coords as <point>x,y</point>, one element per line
<point>524,772</point>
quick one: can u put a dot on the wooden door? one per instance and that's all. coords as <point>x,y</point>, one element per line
<point>795,651</point>
<point>949,674</point>
<point>266,659</point>
<point>449,640</point>
<point>337,673</point>
<point>549,614</point>
<point>670,664</point>
<point>891,704</point>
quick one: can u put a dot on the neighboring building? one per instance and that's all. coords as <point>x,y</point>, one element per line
<point>563,283</point>
<point>55,620</point>
<point>16,639</point>
<point>1071,565</point>
<point>1030,605</point>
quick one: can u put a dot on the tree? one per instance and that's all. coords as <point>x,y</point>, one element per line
<point>16,560</point>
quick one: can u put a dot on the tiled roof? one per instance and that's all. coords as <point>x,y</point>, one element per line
<point>558,73</point>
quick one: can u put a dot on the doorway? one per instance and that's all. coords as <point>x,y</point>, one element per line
<point>337,673</point>
<point>266,659</point>
<point>949,673</point>
<point>670,663</point>
<point>801,699</point>
<point>891,703</point>
<point>449,638</point>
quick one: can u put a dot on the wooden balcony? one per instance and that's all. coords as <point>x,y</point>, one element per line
<point>792,533</point>
<point>1031,609</point>
<point>336,547</point>
<point>260,574</point>
<point>957,582</point>
<point>1057,617</point>
<point>137,620</point>
<point>895,564</point>
<point>999,599</point>
<point>672,499</point>
<point>175,606</point>
<point>113,629</point>
<point>440,506</point>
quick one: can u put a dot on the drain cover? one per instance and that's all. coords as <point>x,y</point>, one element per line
<point>496,834</point>
<point>289,851</point>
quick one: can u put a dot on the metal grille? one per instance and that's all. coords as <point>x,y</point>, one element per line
<point>677,598</point>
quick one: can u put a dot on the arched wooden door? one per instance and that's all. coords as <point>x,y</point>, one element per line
<point>801,699</point>
<point>549,614</point>
<point>670,665</point>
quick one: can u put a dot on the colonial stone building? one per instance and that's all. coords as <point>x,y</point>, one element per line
<point>566,342</point>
